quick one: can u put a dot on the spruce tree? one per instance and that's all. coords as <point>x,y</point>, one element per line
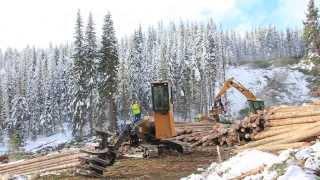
<point>289,43</point>
<point>40,98</point>
<point>163,64</point>
<point>138,80</point>
<point>211,61</point>
<point>56,89</point>
<point>123,103</point>
<point>311,29</point>
<point>47,116</point>
<point>1,58</point>
<point>107,74</point>
<point>32,89</point>
<point>3,110</point>
<point>90,54</point>
<point>79,76</point>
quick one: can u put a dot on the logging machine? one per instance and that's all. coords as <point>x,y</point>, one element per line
<point>158,130</point>
<point>218,107</point>
<point>162,110</point>
<point>152,133</point>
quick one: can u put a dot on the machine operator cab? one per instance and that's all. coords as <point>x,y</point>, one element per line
<point>162,109</point>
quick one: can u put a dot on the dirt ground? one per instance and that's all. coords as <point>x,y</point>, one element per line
<point>166,167</point>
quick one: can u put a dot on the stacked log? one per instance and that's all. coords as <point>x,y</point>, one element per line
<point>251,125</point>
<point>72,162</point>
<point>287,127</point>
<point>275,128</point>
<point>189,127</point>
<point>212,134</point>
<point>205,134</point>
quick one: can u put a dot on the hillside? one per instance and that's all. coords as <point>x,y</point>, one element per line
<point>276,85</point>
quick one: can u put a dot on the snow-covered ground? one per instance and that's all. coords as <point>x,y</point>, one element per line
<point>288,165</point>
<point>279,85</point>
<point>307,63</point>
<point>52,141</point>
<point>41,142</point>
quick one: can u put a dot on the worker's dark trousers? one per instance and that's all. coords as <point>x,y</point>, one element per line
<point>137,118</point>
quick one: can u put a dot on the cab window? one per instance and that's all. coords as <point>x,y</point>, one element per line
<point>160,97</point>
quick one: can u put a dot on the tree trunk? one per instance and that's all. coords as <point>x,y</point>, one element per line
<point>113,116</point>
<point>107,117</point>
<point>90,115</point>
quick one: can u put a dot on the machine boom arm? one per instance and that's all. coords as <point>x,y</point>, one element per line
<point>218,107</point>
<point>232,83</point>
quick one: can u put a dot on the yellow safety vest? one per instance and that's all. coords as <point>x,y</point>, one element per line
<point>135,109</point>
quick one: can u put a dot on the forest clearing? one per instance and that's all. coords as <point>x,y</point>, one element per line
<point>272,130</point>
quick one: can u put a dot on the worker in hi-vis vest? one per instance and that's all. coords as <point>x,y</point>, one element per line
<point>136,111</point>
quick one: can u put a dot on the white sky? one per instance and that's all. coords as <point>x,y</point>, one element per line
<point>39,22</point>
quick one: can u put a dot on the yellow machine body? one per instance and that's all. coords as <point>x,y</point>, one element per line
<point>162,110</point>
<point>164,125</point>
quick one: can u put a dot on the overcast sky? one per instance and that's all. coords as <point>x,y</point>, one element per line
<point>39,22</point>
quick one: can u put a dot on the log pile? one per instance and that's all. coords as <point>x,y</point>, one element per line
<point>216,134</point>
<point>187,127</point>
<point>287,127</point>
<point>251,125</point>
<point>69,162</point>
<point>276,128</point>
<point>209,134</point>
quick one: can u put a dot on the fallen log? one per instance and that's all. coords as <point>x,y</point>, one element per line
<point>42,145</point>
<point>193,124</point>
<point>43,164</point>
<point>301,120</point>
<point>4,167</point>
<point>302,134</point>
<point>294,108</point>
<point>293,114</point>
<point>275,128</point>
<point>43,168</point>
<point>273,147</point>
<point>271,132</point>
<point>74,160</point>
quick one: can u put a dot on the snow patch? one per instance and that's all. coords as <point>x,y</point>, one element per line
<point>2,71</point>
<point>286,166</point>
<point>243,162</point>
<point>53,141</point>
<point>295,173</point>
<point>305,64</point>
<point>41,142</point>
